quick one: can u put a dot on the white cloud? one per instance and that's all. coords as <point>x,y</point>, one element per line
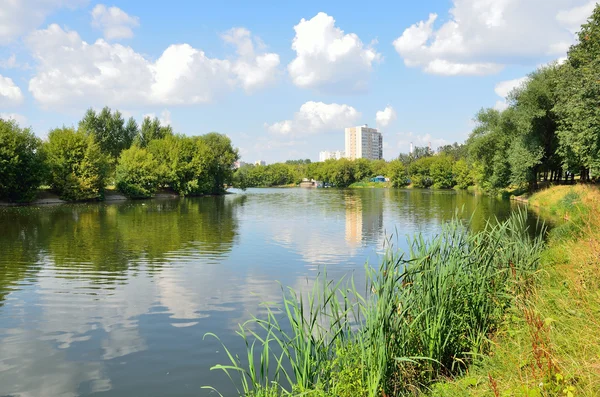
<point>70,71</point>
<point>573,18</point>
<point>405,139</point>
<point>9,63</point>
<point>22,120</point>
<point>385,117</point>
<point>114,22</point>
<point>165,117</point>
<point>482,36</point>
<point>327,59</point>
<point>504,88</point>
<point>253,71</point>
<point>317,117</point>
<point>18,17</point>
<point>10,94</point>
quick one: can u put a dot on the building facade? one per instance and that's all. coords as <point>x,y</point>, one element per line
<point>260,162</point>
<point>364,142</point>
<point>327,155</point>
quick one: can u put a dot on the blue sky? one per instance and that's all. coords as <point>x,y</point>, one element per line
<point>279,87</point>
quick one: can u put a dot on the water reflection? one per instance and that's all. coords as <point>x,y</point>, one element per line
<point>115,298</point>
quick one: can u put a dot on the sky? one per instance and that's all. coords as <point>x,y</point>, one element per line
<point>281,79</point>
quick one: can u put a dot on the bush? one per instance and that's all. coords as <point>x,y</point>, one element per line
<point>21,163</point>
<point>77,167</point>
<point>137,173</point>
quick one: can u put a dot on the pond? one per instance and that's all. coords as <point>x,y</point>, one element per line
<point>113,299</point>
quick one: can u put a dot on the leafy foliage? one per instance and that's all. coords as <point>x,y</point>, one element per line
<point>137,173</point>
<point>77,167</point>
<point>21,163</point>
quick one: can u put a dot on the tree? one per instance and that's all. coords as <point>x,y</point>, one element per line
<point>137,173</point>
<point>77,167</point>
<point>462,174</point>
<point>578,104</point>
<point>488,146</point>
<point>535,148</point>
<point>109,130</point>
<point>397,174</point>
<point>21,162</point>
<point>150,130</point>
<point>219,161</point>
<point>441,172</point>
<point>420,172</point>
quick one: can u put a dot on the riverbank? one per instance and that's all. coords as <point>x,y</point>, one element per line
<point>549,342</point>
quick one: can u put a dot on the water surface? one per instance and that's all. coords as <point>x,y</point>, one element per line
<point>114,299</point>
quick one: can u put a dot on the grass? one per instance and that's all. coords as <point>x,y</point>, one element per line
<point>362,185</point>
<point>549,342</point>
<point>424,315</point>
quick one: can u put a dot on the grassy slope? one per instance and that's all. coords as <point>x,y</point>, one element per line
<point>549,344</point>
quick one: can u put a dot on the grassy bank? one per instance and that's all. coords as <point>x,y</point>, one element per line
<point>426,315</point>
<point>361,185</point>
<point>549,342</point>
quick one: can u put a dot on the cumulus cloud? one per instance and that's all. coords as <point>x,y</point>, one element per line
<point>18,17</point>
<point>573,18</point>
<point>70,71</point>
<point>19,118</point>
<point>316,117</point>
<point>504,88</point>
<point>328,60</point>
<point>10,94</point>
<point>114,22</point>
<point>253,70</point>
<point>385,117</point>
<point>479,37</point>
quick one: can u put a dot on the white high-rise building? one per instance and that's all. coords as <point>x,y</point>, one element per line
<point>327,155</point>
<point>364,142</point>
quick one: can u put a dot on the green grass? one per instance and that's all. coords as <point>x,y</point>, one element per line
<point>361,185</point>
<point>424,316</point>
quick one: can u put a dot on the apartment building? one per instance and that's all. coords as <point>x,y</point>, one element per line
<point>364,142</point>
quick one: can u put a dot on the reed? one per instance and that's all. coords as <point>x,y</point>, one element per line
<point>424,314</point>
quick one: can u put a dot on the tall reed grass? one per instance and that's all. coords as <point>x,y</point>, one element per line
<point>424,314</point>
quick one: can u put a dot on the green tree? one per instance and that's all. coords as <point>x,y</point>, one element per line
<point>150,130</point>
<point>21,163</point>
<point>578,104</point>
<point>137,173</point>
<point>110,130</point>
<point>420,172</point>
<point>462,174</point>
<point>218,161</point>
<point>397,174</point>
<point>441,172</point>
<point>489,144</point>
<point>77,167</point>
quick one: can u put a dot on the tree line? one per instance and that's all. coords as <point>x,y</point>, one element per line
<point>79,163</point>
<point>422,168</point>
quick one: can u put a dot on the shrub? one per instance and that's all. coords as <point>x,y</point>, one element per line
<point>77,167</point>
<point>137,173</point>
<point>21,163</point>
